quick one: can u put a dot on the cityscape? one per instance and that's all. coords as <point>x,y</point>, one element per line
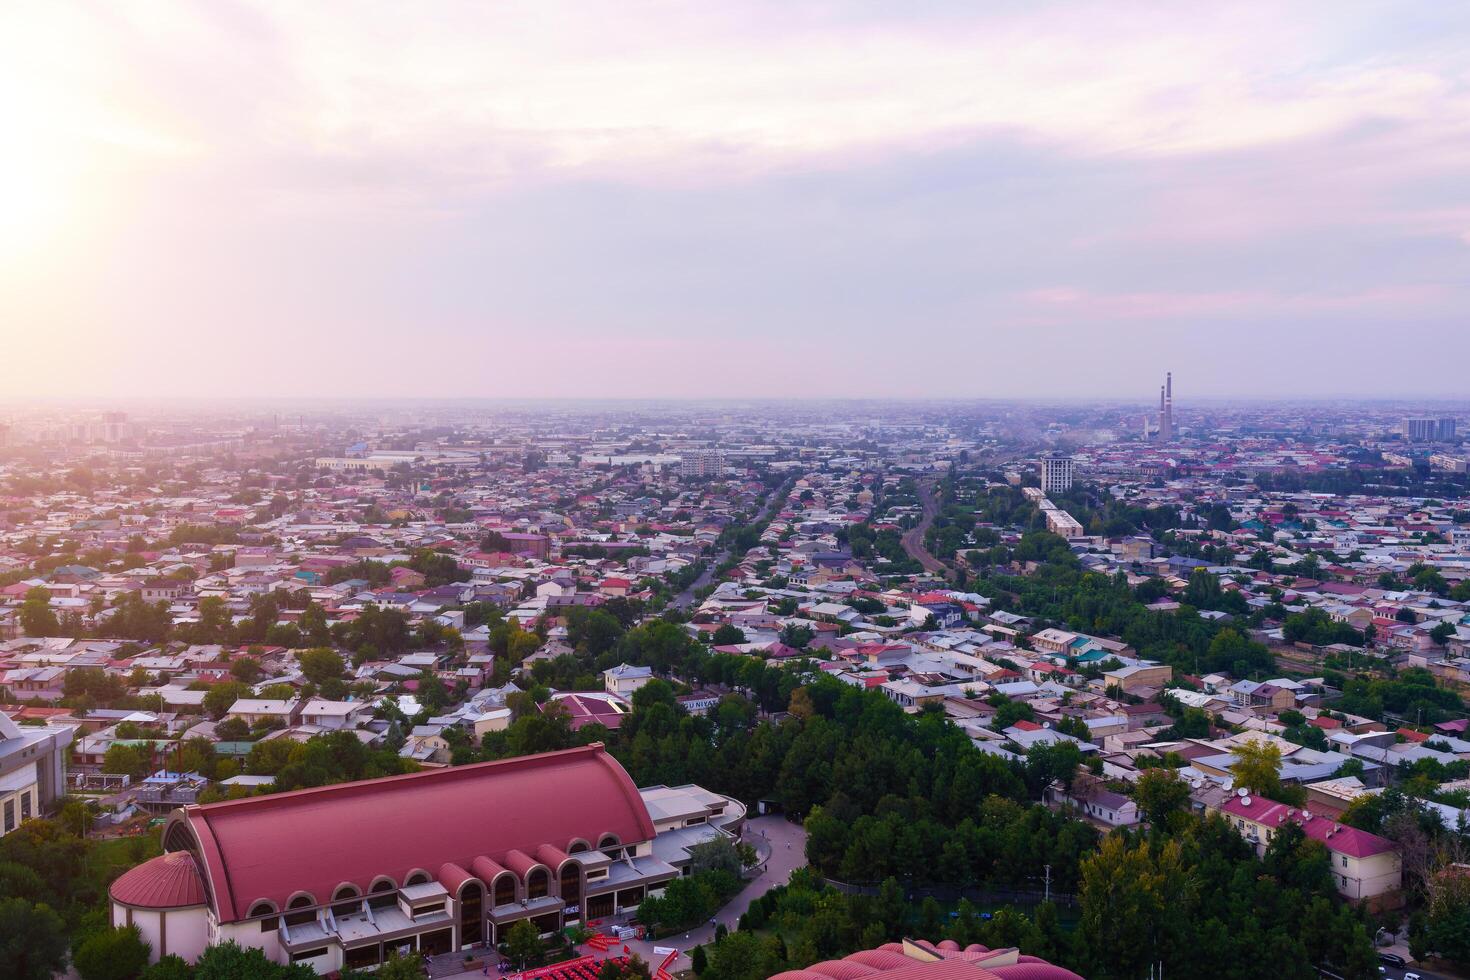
<point>734,491</point>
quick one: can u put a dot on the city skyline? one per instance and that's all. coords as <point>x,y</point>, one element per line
<point>826,201</point>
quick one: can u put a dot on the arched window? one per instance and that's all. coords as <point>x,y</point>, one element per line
<point>265,911</point>
<point>417,878</point>
<point>538,882</point>
<point>346,900</point>
<point>577,846</point>
<point>382,893</point>
<point>304,903</point>
<point>505,889</point>
<point>471,913</point>
<point>571,883</point>
<point>611,846</point>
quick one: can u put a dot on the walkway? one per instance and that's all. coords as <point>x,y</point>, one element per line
<point>788,852</point>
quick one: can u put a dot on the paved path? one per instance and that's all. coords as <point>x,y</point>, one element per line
<point>788,852</point>
<point>913,539</point>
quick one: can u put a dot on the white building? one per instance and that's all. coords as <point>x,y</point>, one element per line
<point>1056,473</point>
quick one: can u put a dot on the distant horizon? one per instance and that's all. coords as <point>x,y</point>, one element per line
<point>1180,405</point>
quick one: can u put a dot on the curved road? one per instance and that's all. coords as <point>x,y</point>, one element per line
<point>913,539</point>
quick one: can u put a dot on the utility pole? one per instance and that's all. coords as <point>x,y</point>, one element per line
<point>1047,880</point>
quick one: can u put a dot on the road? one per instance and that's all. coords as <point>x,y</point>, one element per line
<point>686,598</point>
<point>913,539</point>
<point>788,852</point>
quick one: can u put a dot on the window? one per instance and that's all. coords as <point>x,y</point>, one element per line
<point>382,894</point>
<point>9,815</point>
<point>25,806</point>
<point>306,914</point>
<point>417,878</point>
<point>266,912</point>
<point>346,900</point>
<point>1344,860</point>
<point>308,954</point>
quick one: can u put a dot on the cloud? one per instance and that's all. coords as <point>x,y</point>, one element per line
<point>769,197</point>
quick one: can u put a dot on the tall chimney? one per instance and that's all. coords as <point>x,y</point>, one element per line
<point>1169,405</point>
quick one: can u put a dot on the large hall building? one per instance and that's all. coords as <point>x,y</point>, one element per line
<point>433,861</point>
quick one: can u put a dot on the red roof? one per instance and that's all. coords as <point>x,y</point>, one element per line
<point>1339,838</point>
<point>169,881</point>
<point>312,840</point>
<point>1412,736</point>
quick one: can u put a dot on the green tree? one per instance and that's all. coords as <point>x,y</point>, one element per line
<point>321,665</point>
<point>112,954</point>
<point>219,697</point>
<point>231,961</point>
<point>523,943</point>
<point>728,635</point>
<point>32,940</point>
<point>395,967</point>
<point>129,760</point>
<point>36,617</point>
<point>1159,793</point>
<point>170,967</point>
<point>1257,767</point>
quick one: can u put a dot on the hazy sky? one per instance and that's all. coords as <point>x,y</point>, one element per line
<point>778,198</point>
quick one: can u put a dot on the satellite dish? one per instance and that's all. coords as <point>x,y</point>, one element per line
<point>1245,801</point>
<point>1242,792</point>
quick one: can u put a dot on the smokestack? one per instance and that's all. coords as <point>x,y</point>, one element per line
<point>1168,423</point>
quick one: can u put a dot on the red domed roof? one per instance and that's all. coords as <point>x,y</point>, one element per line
<point>169,881</point>
<point>270,847</point>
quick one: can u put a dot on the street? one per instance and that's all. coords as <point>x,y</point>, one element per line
<point>788,852</point>
<point>913,539</point>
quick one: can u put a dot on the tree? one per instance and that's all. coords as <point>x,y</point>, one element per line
<point>1052,761</point>
<point>247,670</point>
<point>1159,793</point>
<point>698,960</point>
<point>395,967</point>
<point>170,967</point>
<point>219,698</point>
<point>230,961</point>
<point>1448,923</point>
<point>112,954</point>
<point>232,730</point>
<point>1441,633</point>
<point>523,942</point>
<point>36,617</point>
<point>1257,767</point>
<point>129,760</point>
<point>321,665</point>
<point>727,635</point>
<point>32,940</point>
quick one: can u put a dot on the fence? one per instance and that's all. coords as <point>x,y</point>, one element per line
<point>976,894</point>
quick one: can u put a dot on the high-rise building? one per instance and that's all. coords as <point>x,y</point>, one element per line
<point>1445,430</point>
<point>1421,429</point>
<point>1056,473</point>
<point>702,463</point>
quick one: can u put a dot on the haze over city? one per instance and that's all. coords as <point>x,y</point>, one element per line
<point>759,199</point>
<point>766,490</point>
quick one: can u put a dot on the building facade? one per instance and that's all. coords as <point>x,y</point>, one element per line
<point>32,771</point>
<point>1056,472</point>
<point>434,861</point>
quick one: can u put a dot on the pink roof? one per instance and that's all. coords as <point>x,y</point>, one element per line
<point>169,881</point>
<point>270,847</point>
<point>1338,838</point>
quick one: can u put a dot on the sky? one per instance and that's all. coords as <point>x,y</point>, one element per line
<point>773,199</point>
